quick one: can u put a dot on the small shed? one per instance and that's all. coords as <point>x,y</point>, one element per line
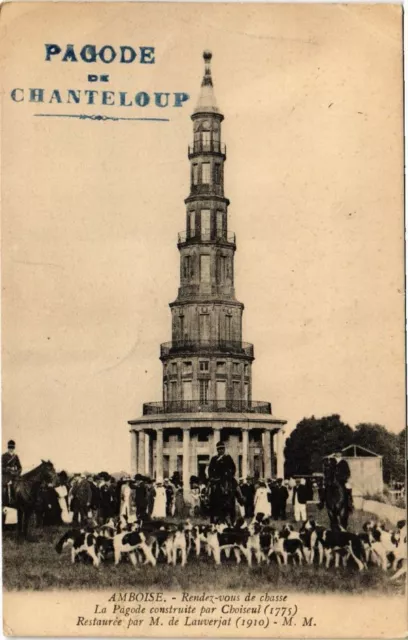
<point>366,469</point>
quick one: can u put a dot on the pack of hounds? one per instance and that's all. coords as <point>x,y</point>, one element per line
<point>258,540</point>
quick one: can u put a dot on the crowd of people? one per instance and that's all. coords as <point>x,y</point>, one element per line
<point>73,499</point>
<point>141,496</point>
<point>273,497</point>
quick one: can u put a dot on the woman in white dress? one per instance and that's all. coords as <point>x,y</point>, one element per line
<point>159,507</point>
<point>262,504</point>
<point>125,499</point>
<point>62,493</point>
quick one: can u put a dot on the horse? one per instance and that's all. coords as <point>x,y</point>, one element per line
<point>221,498</point>
<point>335,498</point>
<point>27,493</point>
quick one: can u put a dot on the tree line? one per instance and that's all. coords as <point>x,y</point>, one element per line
<point>314,438</point>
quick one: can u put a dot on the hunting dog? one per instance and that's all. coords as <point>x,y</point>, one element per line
<point>382,545</point>
<point>178,544</point>
<point>130,543</point>
<point>400,559</point>
<point>311,535</point>
<point>221,538</point>
<point>287,544</point>
<point>341,544</point>
<point>82,544</point>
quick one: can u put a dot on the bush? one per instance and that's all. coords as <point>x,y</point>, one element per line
<point>378,497</point>
<point>386,498</point>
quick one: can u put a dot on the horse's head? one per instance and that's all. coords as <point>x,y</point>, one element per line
<point>48,472</point>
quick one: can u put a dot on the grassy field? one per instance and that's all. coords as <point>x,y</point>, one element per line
<point>37,566</point>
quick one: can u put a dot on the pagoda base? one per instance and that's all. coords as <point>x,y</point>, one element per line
<point>185,442</point>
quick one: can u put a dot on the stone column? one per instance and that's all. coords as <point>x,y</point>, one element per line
<point>159,455</point>
<point>186,462</point>
<point>147,453</point>
<point>267,454</point>
<point>280,457</point>
<point>245,451</point>
<point>141,452</point>
<point>216,438</point>
<point>133,452</point>
<point>172,449</point>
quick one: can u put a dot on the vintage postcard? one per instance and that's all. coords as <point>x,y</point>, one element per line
<point>203,306</point>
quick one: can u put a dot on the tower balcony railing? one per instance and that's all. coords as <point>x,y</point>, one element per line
<point>206,189</point>
<point>218,237</point>
<point>201,346</point>
<point>207,406</point>
<point>209,146</point>
<point>201,293</point>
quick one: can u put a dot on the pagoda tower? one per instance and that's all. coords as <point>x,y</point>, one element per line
<point>207,368</point>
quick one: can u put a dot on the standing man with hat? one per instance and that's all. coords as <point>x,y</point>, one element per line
<point>10,470</point>
<point>223,486</point>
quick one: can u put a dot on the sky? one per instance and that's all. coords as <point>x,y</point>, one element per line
<point>312,98</point>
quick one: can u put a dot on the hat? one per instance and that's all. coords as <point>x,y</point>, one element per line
<point>11,444</point>
<point>220,445</point>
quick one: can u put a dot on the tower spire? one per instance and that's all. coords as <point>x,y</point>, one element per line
<point>206,100</point>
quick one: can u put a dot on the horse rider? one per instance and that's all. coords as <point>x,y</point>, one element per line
<point>221,466</point>
<point>10,470</point>
<point>343,473</point>
<point>221,474</point>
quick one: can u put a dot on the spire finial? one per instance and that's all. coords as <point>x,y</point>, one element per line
<point>206,101</point>
<point>207,79</point>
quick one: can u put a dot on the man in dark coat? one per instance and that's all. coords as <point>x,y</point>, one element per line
<point>113,497</point>
<point>222,465</point>
<point>106,497</point>
<point>95,499</point>
<point>223,486</point>
<point>248,491</point>
<point>151,494</point>
<point>50,508</point>
<point>141,497</point>
<point>81,493</point>
<point>282,497</point>
<point>274,498</point>
<point>10,470</point>
<point>343,473</point>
